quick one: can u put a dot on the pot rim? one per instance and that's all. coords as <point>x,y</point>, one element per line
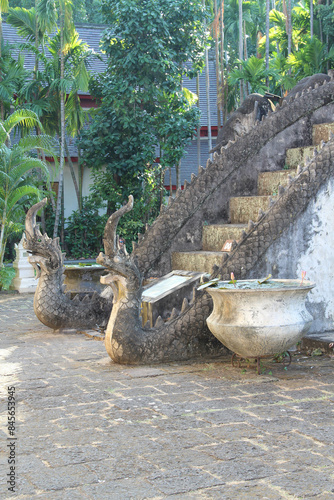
<point>291,284</point>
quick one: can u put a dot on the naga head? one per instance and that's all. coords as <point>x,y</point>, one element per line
<point>46,254</point>
<point>115,257</point>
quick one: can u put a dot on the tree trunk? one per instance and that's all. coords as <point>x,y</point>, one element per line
<point>311,18</point>
<point>241,55</point>
<point>199,127</point>
<point>81,174</point>
<point>267,40</point>
<point>36,39</point>
<point>289,27</point>
<point>62,127</point>
<point>178,171</point>
<point>222,76</point>
<point>74,179</point>
<point>207,87</point>
<point>216,30</point>
<point>2,236</point>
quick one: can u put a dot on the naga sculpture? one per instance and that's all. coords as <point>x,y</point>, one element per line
<point>53,307</point>
<point>185,336</point>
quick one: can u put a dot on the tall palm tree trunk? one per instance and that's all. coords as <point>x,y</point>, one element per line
<point>267,38</point>
<point>207,86</point>
<point>311,18</point>
<point>62,127</point>
<point>224,98</point>
<point>241,55</point>
<point>216,34</point>
<point>199,126</point>
<point>74,179</point>
<point>289,27</point>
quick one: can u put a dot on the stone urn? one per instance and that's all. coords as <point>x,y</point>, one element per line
<point>255,319</point>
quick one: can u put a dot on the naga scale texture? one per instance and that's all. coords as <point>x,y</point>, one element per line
<point>53,307</point>
<point>183,337</point>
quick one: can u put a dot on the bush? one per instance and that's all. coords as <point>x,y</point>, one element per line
<point>6,276</point>
<point>84,230</point>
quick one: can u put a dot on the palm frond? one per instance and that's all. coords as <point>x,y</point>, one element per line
<point>22,169</point>
<point>18,194</point>
<point>24,21</point>
<point>24,117</point>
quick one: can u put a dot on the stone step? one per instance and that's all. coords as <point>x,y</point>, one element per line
<point>215,235</point>
<point>200,261</point>
<point>245,208</point>
<point>321,132</point>
<point>297,156</point>
<point>268,182</point>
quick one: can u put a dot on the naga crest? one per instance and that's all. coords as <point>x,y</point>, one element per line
<point>46,253</point>
<point>116,257</point>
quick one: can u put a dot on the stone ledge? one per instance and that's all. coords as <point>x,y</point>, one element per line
<point>319,341</point>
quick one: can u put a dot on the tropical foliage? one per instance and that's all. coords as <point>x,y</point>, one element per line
<point>17,186</point>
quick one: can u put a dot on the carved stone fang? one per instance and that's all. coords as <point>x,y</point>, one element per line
<point>200,170</point>
<point>299,169</point>
<point>174,314</point>
<point>261,214</point>
<point>159,322</point>
<point>147,325</point>
<point>185,305</point>
<point>250,225</point>
<point>315,152</point>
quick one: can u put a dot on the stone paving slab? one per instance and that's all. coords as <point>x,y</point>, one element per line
<point>88,428</point>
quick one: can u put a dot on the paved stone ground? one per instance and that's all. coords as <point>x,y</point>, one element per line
<point>87,428</point>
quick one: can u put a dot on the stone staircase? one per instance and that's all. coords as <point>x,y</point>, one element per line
<point>218,239</point>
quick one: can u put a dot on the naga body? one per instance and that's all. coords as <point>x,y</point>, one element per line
<point>53,306</point>
<point>184,336</point>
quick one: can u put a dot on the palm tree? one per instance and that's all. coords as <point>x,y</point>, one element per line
<point>16,163</point>
<point>310,59</point>
<point>253,72</point>
<point>48,9</point>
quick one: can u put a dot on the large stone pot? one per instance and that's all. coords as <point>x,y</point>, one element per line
<point>261,321</point>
